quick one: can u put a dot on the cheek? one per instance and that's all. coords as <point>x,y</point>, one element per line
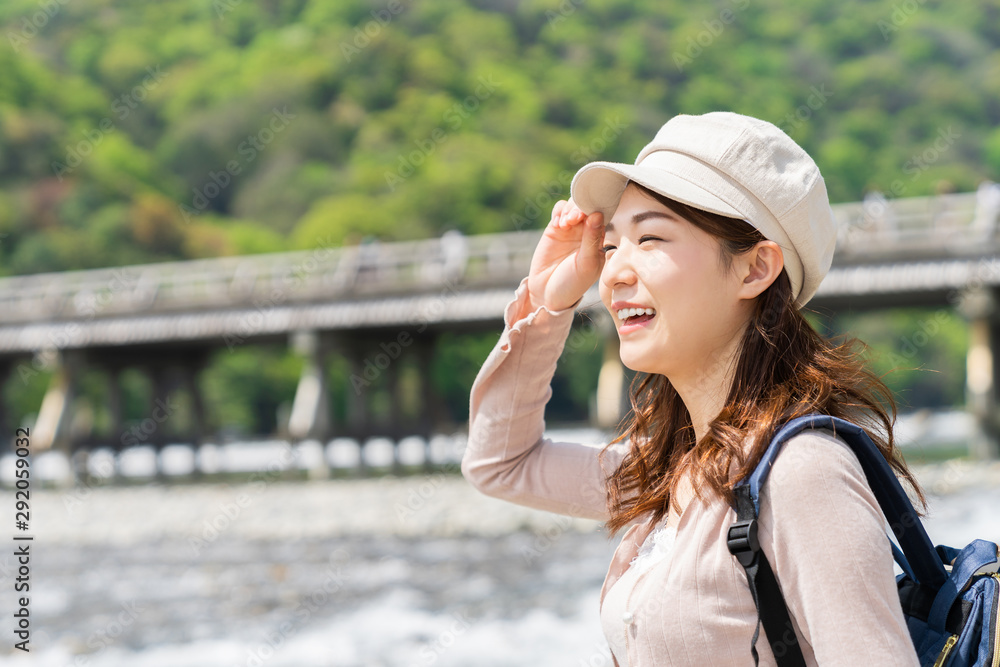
<point>605,292</point>
<point>655,267</point>
<point>692,289</point>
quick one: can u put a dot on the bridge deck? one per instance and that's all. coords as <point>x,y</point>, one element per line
<point>914,251</point>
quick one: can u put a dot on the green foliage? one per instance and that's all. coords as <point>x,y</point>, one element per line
<point>408,119</point>
<point>456,361</point>
<point>918,353</point>
<point>245,387</point>
<point>135,131</point>
<point>23,389</point>
<point>575,382</point>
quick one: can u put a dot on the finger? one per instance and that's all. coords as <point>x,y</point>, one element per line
<point>572,215</point>
<point>557,210</point>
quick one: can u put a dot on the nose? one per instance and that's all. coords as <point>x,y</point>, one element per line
<point>619,269</point>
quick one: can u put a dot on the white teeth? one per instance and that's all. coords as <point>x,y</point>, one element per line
<point>626,313</point>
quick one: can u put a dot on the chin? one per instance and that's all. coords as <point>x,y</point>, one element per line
<point>638,365</point>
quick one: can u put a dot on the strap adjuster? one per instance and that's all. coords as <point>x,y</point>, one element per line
<point>742,541</point>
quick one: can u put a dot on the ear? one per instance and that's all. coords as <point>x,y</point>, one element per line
<point>758,268</point>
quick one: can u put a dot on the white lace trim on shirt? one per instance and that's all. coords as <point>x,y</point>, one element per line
<point>655,548</point>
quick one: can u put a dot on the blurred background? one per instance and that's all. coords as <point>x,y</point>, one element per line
<point>253,254</point>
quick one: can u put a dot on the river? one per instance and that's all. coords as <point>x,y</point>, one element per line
<point>387,571</point>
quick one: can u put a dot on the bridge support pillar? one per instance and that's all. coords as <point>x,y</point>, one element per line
<point>160,412</point>
<point>983,371</point>
<point>357,399</point>
<point>52,426</point>
<point>116,411</point>
<point>310,416</point>
<point>160,408</point>
<point>433,407</point>
<point>610,385</point>
<point>393,427</point>
<point>189,382</point>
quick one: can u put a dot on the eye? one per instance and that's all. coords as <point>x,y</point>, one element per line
<point>647,237</point>
<point>608,248</point>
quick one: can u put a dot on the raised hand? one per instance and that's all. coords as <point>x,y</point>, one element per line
<point>568,257</point>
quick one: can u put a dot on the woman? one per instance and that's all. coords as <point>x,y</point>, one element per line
<point>705,249</point>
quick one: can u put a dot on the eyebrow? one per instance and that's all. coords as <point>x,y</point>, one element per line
<point>646,215</point>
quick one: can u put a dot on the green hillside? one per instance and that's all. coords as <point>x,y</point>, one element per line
<point>135,131</point>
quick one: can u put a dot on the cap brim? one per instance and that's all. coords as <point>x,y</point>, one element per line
<point>598,186</point>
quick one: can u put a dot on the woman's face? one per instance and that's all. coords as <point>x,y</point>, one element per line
<point>673,301</point>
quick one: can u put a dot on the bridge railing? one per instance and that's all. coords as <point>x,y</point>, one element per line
<point>913,228</point>
<point>874,230</point>
<point>268,279</point>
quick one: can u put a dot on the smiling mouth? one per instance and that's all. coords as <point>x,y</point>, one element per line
<point>636,315</point>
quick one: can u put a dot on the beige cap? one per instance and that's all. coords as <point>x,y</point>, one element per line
<point>736,166</point>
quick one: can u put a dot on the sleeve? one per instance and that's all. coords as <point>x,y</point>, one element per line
<point>824,534</point>
<point>507,456</point>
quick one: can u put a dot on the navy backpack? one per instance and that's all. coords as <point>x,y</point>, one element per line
<point>950,597</point>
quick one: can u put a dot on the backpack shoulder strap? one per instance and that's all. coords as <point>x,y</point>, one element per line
<point>920,556</point>
<point>772,611</point>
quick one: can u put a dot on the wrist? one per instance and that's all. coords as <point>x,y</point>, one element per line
<point>529,306</point>
<point>535,304</point>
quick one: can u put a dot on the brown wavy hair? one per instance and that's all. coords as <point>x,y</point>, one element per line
<point>784,369</point>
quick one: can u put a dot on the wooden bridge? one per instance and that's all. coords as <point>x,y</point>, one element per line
<point>375,302</point>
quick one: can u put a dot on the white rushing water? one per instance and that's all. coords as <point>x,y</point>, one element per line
<point>390,571</point>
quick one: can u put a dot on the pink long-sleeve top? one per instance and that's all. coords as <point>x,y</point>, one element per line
<point>819,526</point>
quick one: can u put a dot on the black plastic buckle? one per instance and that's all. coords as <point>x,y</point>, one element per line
<point>742,541</point>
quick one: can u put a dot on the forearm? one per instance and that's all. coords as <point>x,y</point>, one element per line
<point>507,455</point>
